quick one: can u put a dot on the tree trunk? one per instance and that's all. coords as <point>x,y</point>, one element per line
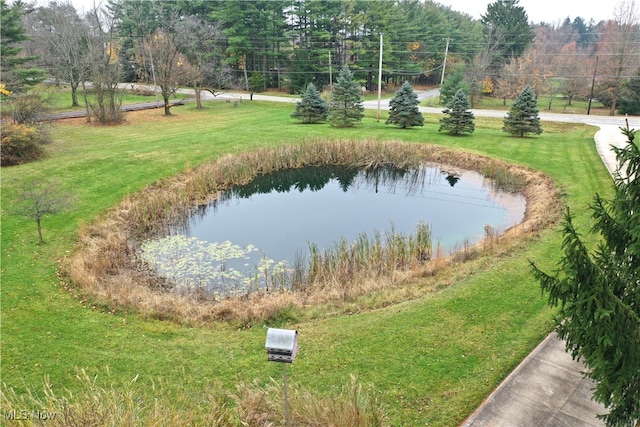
<point>74,94</point>
<point>198,93</point>
<point>39,231</point>
<point>614,101</point>
<point>167,105</point>
<point>198,99</point>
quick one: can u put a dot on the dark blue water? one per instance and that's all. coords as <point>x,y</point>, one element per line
<point>278,215</point>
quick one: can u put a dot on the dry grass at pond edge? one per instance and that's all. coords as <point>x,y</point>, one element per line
<point>148,402</point>
<point>104,263</point>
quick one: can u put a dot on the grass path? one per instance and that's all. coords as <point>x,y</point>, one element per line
<point>436,357</point>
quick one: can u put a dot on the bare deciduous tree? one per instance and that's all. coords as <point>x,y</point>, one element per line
<point>571,69</point>
<point>57,37</point>
<point>619,48</point>
<point>102,67</point>
<point>197,41</point>
<point>165,62</point>
<point>39,198</point>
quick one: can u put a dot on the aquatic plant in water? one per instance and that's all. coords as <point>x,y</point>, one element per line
<point>190,263</point>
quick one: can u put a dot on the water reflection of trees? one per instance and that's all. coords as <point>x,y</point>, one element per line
<point>388,179</point>
<point>315,178</point>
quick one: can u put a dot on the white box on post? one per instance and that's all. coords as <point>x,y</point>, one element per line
<point>282,345</point>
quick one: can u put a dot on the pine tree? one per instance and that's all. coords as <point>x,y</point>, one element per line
<point>345,106</point>
<point>475,92</point>
<point>460,119</point>
<point>404,108</point>
<point>16,76</point>
<point>522,119</point>
<point>599,292</point>
<point>312,108</point>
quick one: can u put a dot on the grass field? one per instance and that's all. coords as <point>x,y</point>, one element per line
<point>558,105</point>
<point>435,356</point>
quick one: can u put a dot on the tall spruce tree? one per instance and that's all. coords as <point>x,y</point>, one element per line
<point>15,73</point>
<point>522,119</point>
<point>507,33</point>
<point>404,110</point>
<point>312,108</point>
<point>599,292</point>
<point>345,106</point>
<point>459,119</point>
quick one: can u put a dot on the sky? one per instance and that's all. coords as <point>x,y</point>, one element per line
<point>550,11</point>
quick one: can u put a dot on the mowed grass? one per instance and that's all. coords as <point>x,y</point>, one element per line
<point>435,357</point>
<point>59,99</point>
<point>558,105</point>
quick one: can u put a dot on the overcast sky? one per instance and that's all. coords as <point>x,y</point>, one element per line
<point>550,11</point>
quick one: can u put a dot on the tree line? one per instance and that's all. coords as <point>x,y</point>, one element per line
<point>287,44</point>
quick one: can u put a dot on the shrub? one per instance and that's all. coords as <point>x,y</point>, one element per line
<point>27,108</point>
<point>20,144</point>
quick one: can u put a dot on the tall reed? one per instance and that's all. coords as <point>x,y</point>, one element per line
<point>368,257</point>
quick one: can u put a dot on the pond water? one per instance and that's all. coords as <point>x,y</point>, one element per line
<point>270,223</point>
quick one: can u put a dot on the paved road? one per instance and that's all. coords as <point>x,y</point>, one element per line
<point>384,105</point>
<point>595,120</point>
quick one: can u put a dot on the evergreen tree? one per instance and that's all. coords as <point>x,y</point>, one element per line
<point>507,32</point>
<point>629,102</point>
<point>460,119</point>
<point>16,76</point>
<point>345,106</point>
<point>599,292</point>
<point>312,108</point>
<point>452,84</point>
<point>475,92</point>
<point>404,108</point>
<point>522,119</point>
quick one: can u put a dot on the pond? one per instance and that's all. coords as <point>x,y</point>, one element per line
<point>264,228</point>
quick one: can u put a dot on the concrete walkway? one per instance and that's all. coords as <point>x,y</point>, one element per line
<point>548,387</point>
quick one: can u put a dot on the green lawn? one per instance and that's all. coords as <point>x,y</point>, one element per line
<point>59,98</point>
<point>558,105</point>
<point>435,357</point>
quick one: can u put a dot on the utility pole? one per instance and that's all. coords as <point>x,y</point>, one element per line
<point>330,75</point>
<point>244,66</point>
<point>593,84</point>
<point>380,77</point>
<point>444,65</point>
